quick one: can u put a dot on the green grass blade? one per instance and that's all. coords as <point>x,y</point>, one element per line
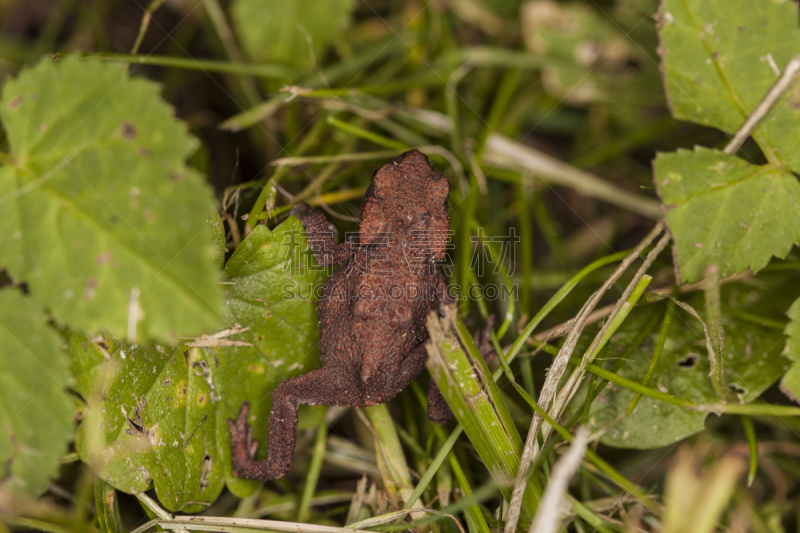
<point>556,299</point>
<point>107,507</point>
<point>752,444</point>
<point>592,456</point>
<point>391,459</point>
<point>259,70</point>
<point>314,468</point>
<point>475,400</point>
<point>366,134</point>
<point>427,477</point>
<point>657,350</point>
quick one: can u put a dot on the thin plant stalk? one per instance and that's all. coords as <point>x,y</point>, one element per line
<point>548,391</point>
<point>466,214</point>
<point>338,158</point>
<point>601,465</point>
<point>761,110</point>
<point>557,298</point>
<point>548,229</point>
<point>396,477</point>
<point>548,516</point>
<point>504,152</point>
<point>524,194</point>
<point>366,134</point>
<point>587,515</point>
<point>475,518</point>
<point>508,85</point>
<point>225,34</point>
<point>148,15</point>
<point>716,331</point>
<point>261,202</point>
<point>496,258</point>
<point>260,70</point>
<point>604,335</point>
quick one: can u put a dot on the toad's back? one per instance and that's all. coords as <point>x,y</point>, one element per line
<point>372,310</point>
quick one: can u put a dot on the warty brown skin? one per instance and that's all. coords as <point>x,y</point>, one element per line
<point>372,334</point>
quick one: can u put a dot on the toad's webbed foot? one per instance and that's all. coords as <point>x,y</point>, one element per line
<point>438,410</point>
<point>325,386</point>
<point>282,435</point>
<point>483,340</point>
<point>243,448</point>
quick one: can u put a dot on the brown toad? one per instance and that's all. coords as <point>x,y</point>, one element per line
<point>371,311</point>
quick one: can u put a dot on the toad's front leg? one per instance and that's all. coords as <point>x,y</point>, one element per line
<point>326,386</point>
<point>320,236</point>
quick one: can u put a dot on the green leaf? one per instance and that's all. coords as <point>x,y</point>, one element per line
<point>276,282</point>
<point>719,60</point>
<point>790,384</point>
<point>724,211</point>
<point>100,211</point>
<point>720,57</point>
<point>35,411</point>
<point>218,239</point>
<point>159,415</point>
<point>150,419</point>
<point>293,31</point>
<point>752,361</point>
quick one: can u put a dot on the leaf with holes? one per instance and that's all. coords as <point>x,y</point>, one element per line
<point>719,60</point>
<point>102,218</point>
<point>294,32</point>
<point>753,362</point>
<point>35,411</point>
<point>157,415</point>
<point>724,211</point>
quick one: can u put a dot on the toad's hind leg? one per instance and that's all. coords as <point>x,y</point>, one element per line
<point>393,378</point>
<point>326,386</point>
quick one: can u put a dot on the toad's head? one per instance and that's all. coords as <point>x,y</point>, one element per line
<point>407,201</point>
